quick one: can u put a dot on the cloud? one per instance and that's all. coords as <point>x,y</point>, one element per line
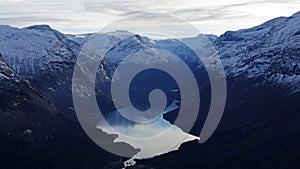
<point>12,0</point>
<point>77,16</point>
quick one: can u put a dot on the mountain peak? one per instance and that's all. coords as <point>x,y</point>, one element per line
<point>122,31</point>
<point>43,27</point>
<point>7,27</point>
<point>297,14</point>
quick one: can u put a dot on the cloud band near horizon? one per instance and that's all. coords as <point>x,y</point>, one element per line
<point>81,16</point>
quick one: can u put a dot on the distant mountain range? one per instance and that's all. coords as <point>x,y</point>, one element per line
<point>260,127</point>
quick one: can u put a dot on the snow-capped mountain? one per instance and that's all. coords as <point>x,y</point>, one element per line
<point>41,55</point>
<point>269,52</point>
<point>31,50</point>
<point>112,36</point>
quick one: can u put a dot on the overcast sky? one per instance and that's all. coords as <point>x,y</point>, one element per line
<point>79,16</point>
